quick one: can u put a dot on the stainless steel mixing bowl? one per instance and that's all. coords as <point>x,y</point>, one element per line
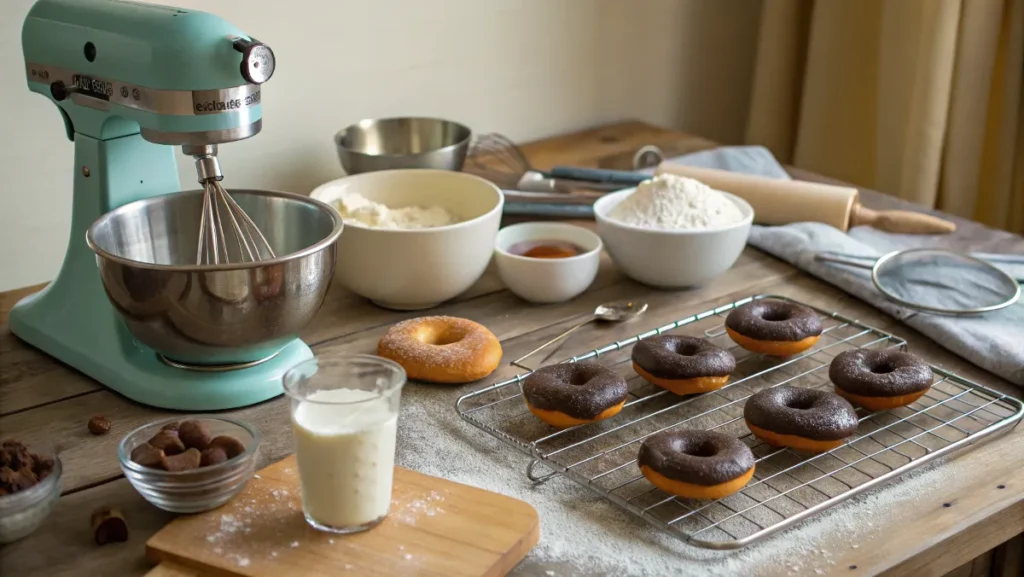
<point>389,143</point>
<point>215,314</point>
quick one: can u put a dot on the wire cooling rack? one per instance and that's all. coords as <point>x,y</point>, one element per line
<point>787,487</point>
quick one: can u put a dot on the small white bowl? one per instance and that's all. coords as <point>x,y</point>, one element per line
<point>671,258</point>
<point>547,280</point>
<point>416,268</point>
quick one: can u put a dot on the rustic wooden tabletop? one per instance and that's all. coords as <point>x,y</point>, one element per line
<point>981,506</point>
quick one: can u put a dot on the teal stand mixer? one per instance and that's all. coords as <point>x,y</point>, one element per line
<point>157,304</point>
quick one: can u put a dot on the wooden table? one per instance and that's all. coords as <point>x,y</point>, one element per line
<point>954,530</point>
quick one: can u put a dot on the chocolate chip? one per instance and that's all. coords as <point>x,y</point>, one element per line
<point>183,461</point>
<point>212,456</point>
<point>194,434</point>
<point>231,446</point>
<point>99,425</point>
<point>148,456</point>
<point>168,442</point>
<point>109,526</point>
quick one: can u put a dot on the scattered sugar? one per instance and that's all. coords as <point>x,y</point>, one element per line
<point>218,550</point>
<point>407,556</point>
<point>256,477</point>
<point>243,561</point>
<point>433,439</point>
<point>294,544</point>
<point>331,541</point>
<point>549,572</point>
<point>414,510</point>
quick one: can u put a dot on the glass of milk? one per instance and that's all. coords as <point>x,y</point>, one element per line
<point>344,416</point>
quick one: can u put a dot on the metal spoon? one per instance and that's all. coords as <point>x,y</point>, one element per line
<point>615,312</point>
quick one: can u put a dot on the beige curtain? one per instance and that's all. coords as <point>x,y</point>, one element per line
<point>921,99</point>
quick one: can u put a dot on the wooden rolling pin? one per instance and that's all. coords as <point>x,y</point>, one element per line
<point>778,201</point>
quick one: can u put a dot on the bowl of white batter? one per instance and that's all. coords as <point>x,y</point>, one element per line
<point>673,231</point>
<point>413,238</point>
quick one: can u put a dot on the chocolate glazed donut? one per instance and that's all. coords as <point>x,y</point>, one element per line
<point>773,327</point>
<point>569,394</point>
<point>806,419</point>
<point>696,464</point>
<point>683,365</point>
<point>879,380</point>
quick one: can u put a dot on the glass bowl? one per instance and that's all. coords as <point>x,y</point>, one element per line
<point>21,513</point>
<point>195,490</point>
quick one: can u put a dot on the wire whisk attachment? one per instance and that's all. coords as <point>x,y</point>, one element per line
<point>243,241</point>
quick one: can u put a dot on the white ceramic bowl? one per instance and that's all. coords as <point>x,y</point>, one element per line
<point>547,280</point>
<point>417,268</point>
<point>671,258</point>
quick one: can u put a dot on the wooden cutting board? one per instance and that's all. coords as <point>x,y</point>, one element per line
<point>436,527</point>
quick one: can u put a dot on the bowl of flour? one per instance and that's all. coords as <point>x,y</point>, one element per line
<point>413,238</point>
<point>673,231</point>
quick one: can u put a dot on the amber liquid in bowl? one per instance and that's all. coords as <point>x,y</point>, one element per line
<point>545,249</point>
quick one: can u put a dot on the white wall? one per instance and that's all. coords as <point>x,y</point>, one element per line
<point>526,68</point>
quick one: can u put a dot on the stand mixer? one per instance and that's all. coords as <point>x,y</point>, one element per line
<point>132,81</point>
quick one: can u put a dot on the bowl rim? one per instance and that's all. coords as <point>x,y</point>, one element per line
<point>318,192</point>
<point>340,135</point>
<point>554,261</point>
<point>610,198</point>
<point>311,249</point>
<point>36,493</point>
<point>123,455</point>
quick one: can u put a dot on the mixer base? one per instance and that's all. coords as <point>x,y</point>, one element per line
<point>81,329</point>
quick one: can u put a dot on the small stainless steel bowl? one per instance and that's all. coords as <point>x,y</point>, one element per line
<point>215,314</point>
<point>195,490</point>
<point>389,143</point>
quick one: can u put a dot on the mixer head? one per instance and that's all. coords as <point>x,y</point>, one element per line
<point>114,68</point>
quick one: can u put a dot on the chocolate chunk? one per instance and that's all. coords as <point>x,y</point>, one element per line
<point>171,427</point>
<point>44,466</point>
<point>194,434</point>
<point>148,456</point>
<point>14,455</point>
<point>109,526</point>
<point>21,479</point>
<point>168,442</point>
<point>231,446</point>
<point>99,425</point>
<point>183,461</point>
<point>212,456</point>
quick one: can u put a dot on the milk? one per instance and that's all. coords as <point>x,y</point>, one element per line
<point>346,456</point>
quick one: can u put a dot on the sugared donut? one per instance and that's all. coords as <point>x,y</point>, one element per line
<point>773,327</point>
<point>806,419</point>
<point>683,365</point>
<point>569,394</point>
<point>696,464</point>
<point>442,349</point>
<point>879,380</point>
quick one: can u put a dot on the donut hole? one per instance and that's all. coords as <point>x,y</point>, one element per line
<point>882,368</point>
<point>800,404</point>
<point>443,337</point>
<point>579,378</point>
<point>705,449</point>
<point>687,349</point>
<point>775,315</point>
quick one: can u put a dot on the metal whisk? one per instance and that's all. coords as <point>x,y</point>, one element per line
<point>498,159</point>
<point>221,212</point>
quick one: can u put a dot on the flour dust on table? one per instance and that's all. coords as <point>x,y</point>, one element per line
<point>583,534</point>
